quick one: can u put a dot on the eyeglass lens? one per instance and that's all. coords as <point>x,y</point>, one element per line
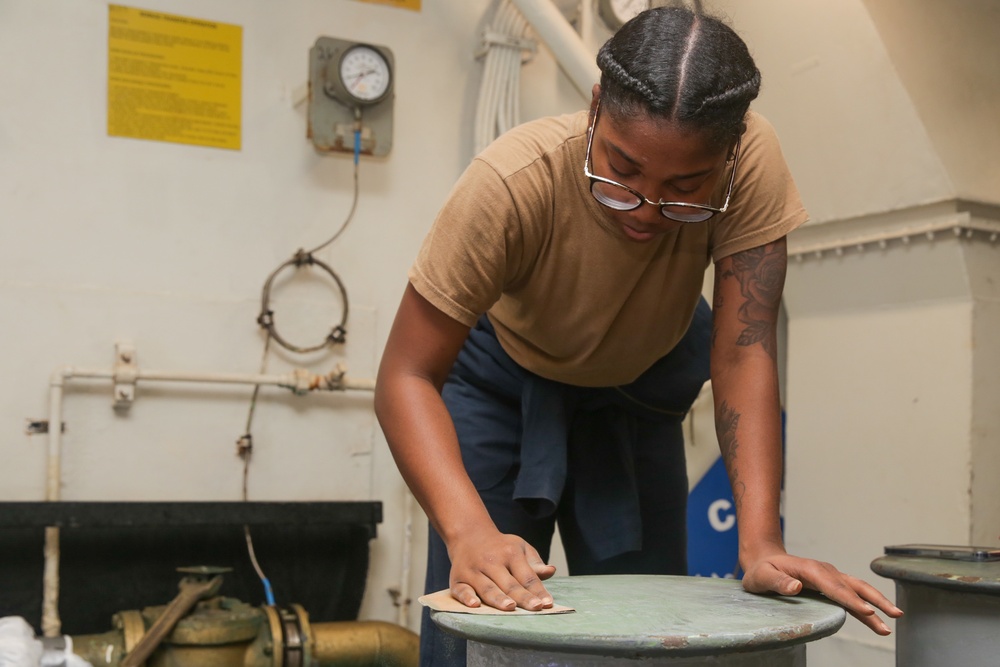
<point>620,199</point>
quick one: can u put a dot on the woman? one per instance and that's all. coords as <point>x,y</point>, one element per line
<point>552,335</point>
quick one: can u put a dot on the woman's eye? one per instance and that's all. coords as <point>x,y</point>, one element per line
<point>618,172</point>
<point>686,188</point>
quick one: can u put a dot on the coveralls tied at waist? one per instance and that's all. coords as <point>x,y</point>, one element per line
<point>585,434</point>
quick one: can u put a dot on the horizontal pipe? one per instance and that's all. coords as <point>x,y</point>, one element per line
<point>295,380</point>
<point>340,644</point>
<point>298,380</point>
<point>364,644</point>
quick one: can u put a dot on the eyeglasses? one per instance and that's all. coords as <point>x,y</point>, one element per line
<point>623,198</point>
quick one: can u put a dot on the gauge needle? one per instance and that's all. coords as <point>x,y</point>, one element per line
<point>362,75</point>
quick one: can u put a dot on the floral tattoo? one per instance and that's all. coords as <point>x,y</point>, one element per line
<point>761,275</point>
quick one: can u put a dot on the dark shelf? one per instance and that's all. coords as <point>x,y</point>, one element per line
<point>116,556</point>
<point>88,514</point>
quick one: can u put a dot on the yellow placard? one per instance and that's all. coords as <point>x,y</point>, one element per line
<point>405,4</point>
<point>174,78</point>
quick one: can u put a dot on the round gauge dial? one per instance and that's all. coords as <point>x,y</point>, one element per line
<point>365,74</point>
<point>616,12</point>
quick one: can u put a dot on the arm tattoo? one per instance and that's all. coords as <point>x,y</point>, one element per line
<point>761,274</point>
<point>726,421</point>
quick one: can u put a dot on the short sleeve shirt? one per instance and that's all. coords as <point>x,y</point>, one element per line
<point>572,299</point>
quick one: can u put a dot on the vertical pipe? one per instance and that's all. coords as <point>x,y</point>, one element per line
<point>51,623</point>
<point>588,31</point>
<point>573,56</point>
<point>54,463</point>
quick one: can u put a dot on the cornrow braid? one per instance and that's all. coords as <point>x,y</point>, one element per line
<point>683,66</point>
<point>606,61</point>
<point>736,94</point>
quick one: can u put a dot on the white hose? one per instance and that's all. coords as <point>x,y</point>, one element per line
<point>498,106</point>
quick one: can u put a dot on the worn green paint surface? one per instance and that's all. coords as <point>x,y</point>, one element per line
<point>952,610</point>
<point>647,615</point>
<point>958,575</point>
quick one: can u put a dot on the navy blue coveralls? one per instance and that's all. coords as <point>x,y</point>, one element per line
<point>606,463</point>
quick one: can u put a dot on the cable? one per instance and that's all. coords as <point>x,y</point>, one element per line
<point>303,258</point>
<point>354,201</point>
<point>244,449</point>
<point>244,445</point>
<point>268,591</point>
<point>266,317</point>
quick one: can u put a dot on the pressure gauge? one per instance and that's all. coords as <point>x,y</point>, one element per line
<point>363,76</point>
<point>615,13</point>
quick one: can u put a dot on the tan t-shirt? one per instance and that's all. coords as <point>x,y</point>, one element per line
<point>572,299</point>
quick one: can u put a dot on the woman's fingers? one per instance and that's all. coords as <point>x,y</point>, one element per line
<point>787,575</point>
<point>504,572</point>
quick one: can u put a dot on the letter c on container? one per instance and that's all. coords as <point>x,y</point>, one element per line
<point>715,518</point>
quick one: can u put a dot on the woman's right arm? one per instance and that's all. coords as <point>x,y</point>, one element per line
<point>488,567</point>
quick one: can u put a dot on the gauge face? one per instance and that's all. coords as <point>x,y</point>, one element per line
<point>616,12</point>
<point>365,73</point>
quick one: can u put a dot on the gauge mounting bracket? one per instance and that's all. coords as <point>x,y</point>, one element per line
<point>351,86</point>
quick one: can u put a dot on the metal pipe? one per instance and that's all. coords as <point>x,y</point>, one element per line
<point>51,623</point>
<point>294,380</point>
<point>364,643</point>
<point>333,644</point>
<point>300,381</point>
<point>573,56</point>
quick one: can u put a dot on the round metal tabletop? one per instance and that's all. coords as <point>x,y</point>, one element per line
<point>958,575</point>
<point>649,615</point>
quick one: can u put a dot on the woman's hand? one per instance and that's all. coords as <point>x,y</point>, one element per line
<point>787,575</point>
<point>500,571</point>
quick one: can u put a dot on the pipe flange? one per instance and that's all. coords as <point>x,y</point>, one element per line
<point>305,631</point>
<point>133,628</point>
<point>291,639</point>
<point>277,645</point>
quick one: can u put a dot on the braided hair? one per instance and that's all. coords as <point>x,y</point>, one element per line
<point>682,66</point>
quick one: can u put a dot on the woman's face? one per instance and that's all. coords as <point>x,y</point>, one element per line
<point>660,160</point>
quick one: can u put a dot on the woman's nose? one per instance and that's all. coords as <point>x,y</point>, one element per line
<point>649,214</point>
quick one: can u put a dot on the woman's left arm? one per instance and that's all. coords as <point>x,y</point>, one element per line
<point>748,287</point>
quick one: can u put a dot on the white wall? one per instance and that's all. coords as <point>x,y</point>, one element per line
<point>946,54</point>
<point>168,245</point>
<point>841,112</point>
<point>985,479</point>
<point>889,433</point>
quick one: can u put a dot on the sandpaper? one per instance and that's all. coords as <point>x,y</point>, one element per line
<point>443,601</point>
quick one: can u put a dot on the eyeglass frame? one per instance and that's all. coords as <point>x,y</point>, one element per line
<point>594,179</point>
